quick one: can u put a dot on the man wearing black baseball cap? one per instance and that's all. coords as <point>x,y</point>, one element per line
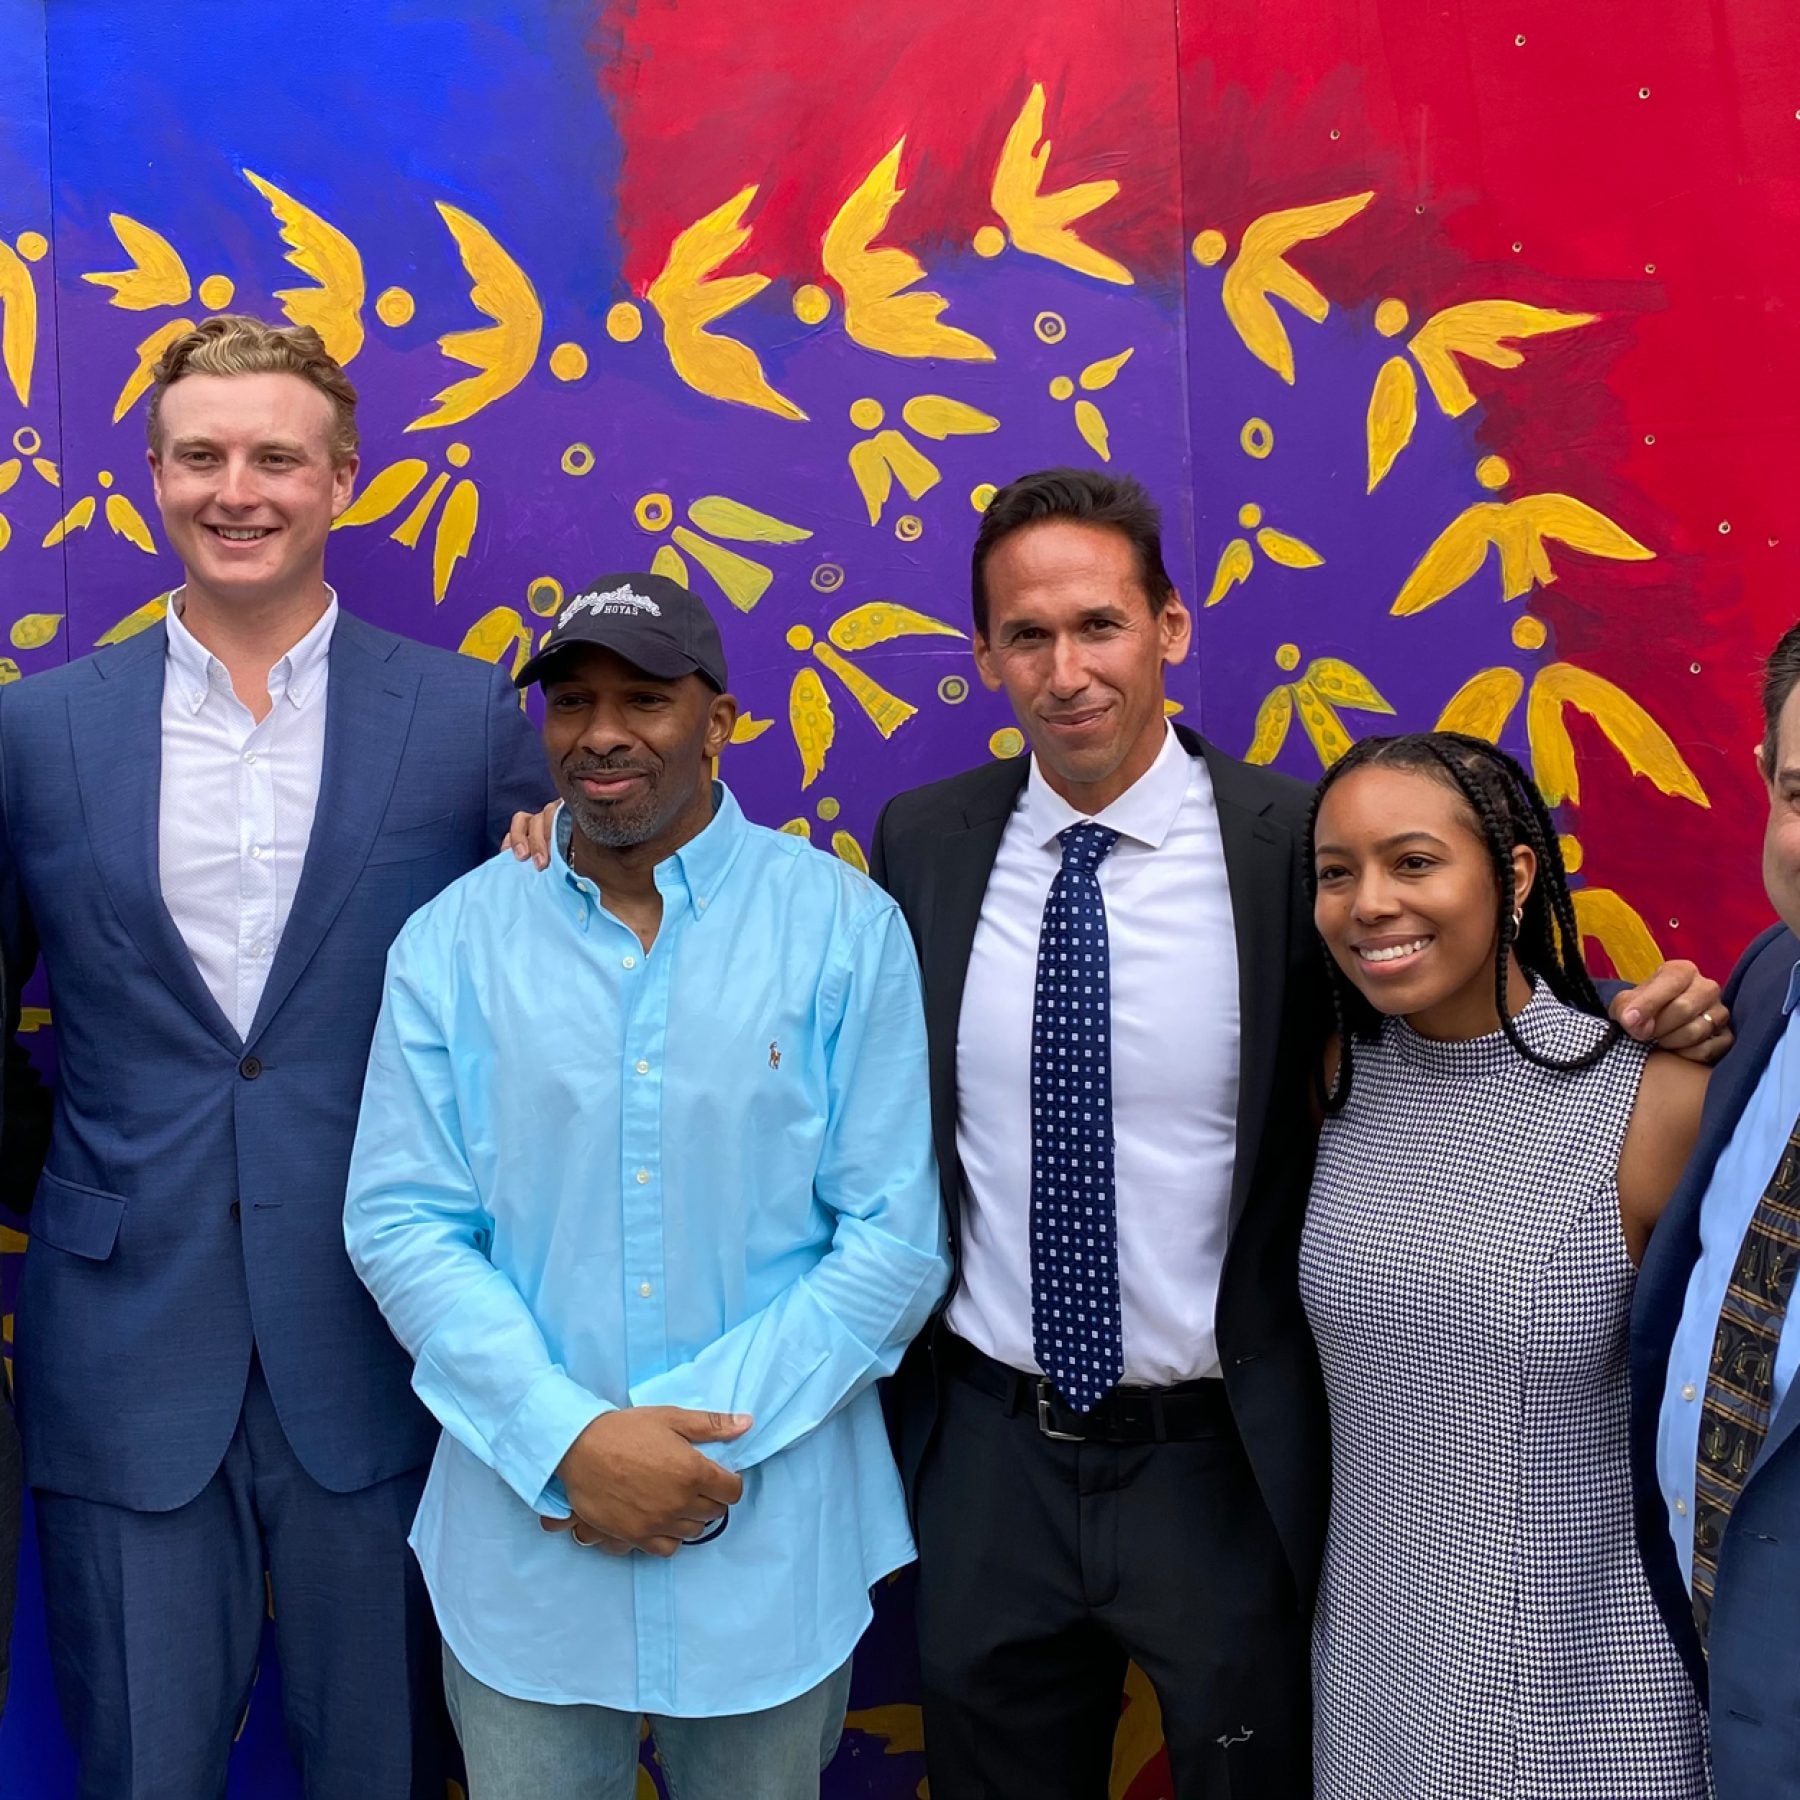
<point>645,1165</point>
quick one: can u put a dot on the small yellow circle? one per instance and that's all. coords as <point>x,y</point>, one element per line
<point>909,528</point>
<point>812,305</point>
<point>33,245</point>
<point>799,638</point>
<point>981,496</point>
<point>1209,248</point>
<point>623,322</point>
<point>1051,327</point>
<point>1572,854</point>
<point>1288,656</point>
<point>106,479</point>
<point>1249,517</point>
<point>568,362</point>
<point>828,578</point>
<point>828,808</point>
<point>1391,317</point>
<point>393,306</point>
<point>544,595</point>
<point>1493,472</point>
<point>1257,438</point>
<point>26,441</point>
<point>1061,388</point>
<point>578,459</point>
<point>866,414</point>
<point>653,512</point>
<point>457,455</point>
<point>1529,633</point>
<point>953,690</point>
<point>990,240</point>
<point>1008,741</point>
<point>216,292</point>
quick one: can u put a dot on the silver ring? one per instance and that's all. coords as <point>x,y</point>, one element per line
<point>580,1541</point>
<point>1711,1025</point>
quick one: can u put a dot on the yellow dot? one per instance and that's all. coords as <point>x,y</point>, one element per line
<point>1209,248</point>
<point>1061,388</point>
<point>1052,327</point>
<point>981,496</point>
<point>623,322</point>
<point>653,511</point>
<point>1529,633</point>
<point>1391,317</point>
<point>578,459</point>
<point>1249,516</point>
<point>866,414</point>
<point>1288,656</point>
<point>26,441</point>
<point>812,305</point>
<point>1007,741</point>
<point>33,245</point>
<point>799,638</point>
<point>1257,438</point>
<point>106,478</point>
<point>953,690</point>
<point>568,362</point>
<point>544,595</point>
<point>828,808</point>
<point>393,306</point>
<point>457,455</point>
<point>216,292</point>
<point>909,528</point>
<point>1572,854</point>
<point>1493,472</point>
<point>990,240</point>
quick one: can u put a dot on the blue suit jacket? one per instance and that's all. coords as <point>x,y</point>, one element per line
<point>191,1206</point>
<point>1754,1668</point>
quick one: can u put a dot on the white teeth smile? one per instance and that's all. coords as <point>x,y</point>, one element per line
<point>242,535</point>
<point>1393,952</point>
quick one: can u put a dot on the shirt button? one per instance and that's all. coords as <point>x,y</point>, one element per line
<point>249,756</point>
<point>1687,1393</point>
<point>631,962</point>
<point>643,1068</point>
<point>701,903</point>
<point>645,1289</point>
<point>256,850</point>
<point>643,1176</point>
<point>1681,1507</point>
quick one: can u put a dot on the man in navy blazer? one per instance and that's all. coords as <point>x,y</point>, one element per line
<point>1714,1349</point>
<point>211,833</point>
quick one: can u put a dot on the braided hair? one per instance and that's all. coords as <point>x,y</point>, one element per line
<point>1507,811</point>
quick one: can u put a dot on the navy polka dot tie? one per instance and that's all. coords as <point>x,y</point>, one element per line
<point>1074,1242</point>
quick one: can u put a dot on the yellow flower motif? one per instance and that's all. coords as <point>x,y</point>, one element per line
<point>393,485</point>
<point>1089,420</point>
<point>742,579</point>
<point>1237,559</point>
<point>1326,685</point>
<point>28,444</point>
<point>122,519</point>
<point>877,462</point>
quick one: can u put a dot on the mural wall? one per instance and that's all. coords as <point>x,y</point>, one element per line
<point>1457,344</point>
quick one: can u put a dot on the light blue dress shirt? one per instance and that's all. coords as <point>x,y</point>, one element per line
<point>589,1176</point>
<point>1738,1180</point>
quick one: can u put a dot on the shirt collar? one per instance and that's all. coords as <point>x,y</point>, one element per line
<point>694,873</point>
<point>296,677</point>
<point>1145,812</point>
<point>1793,991</point>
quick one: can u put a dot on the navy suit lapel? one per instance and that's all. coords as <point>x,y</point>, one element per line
<point>369,712</point>
<point>115,727</point>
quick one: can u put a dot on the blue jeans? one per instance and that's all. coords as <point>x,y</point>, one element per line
<point>527,1750</point>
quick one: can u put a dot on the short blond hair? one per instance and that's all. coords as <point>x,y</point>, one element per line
<point>236,344</point>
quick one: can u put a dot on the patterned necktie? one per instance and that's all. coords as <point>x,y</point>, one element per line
<point>1734,1417</point>
<point>1074,1242</point>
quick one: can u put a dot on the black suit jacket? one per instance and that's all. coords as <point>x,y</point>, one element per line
<point>934,849</point>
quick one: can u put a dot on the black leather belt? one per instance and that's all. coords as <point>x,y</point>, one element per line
<point>1128,1415</point>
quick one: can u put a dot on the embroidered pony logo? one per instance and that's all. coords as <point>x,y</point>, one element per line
<point>774,1053</point>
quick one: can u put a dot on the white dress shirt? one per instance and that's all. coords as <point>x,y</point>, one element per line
<point>1174,1070</point>
<point>237,803</point>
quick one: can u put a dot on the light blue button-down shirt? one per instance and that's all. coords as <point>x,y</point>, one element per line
<point>588,1176</point>
<point>1738,1180</point>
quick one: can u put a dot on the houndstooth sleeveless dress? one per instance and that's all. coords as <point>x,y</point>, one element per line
<point>1484,1629</point>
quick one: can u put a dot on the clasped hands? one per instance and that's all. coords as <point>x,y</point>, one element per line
<point>636,1482</point>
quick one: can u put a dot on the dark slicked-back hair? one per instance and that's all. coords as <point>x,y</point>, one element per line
<point>1115,502</point>
<point>1781,673</point>
<point>1505,810</point>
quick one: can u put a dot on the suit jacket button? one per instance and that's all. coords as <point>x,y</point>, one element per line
<point>250,1068</point>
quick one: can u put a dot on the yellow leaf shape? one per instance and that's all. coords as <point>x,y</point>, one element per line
<point>1261,273</point>
<point>1323,726</point>
<point>1483,704</point>
<point>849,850</point>
<point>35,630</point>
<point>1528,524</point>
<point>1618,929</point>
<point>455,532</point>
<point>1235,563</point>
<point>157,276</point>
<point>936,416</point>
<point>901,1728</point>
<point>1039,223</point>
<point>875,461</point>
<point>1347,686</point>
<point>78,518</point>
<point>498,631</point>
<point>1091,423</point>
<point>1105,372</point>
<point>149,354</point>
<point>1645,746</point>
<point>150,613</point>
<point>334,307</point>
<point>47,470</point>
<point>880,621</point>
<point>687,299</point>
<point>729,518</point>
<point>887,712</point>
<point>10,471</point>
<point>124,520</point>
<point>1393,412</point>
<point>742,581</point>
<point>501,353</point>
<point>5,531</point>
<point>747,730</point>
<point>18,321</point>
<point>813,724</point>
<point>1278,547</point>
<point>668,561</point>
<point>878,313</point>
<point>797,828</point>
<point>1480,330</point>
<point>1456,553</point>
<point>1139,1735</point>
<point>384,492</point>
<point>1272,720</point>
<point>410,528</point>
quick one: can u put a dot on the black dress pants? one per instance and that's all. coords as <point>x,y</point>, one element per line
<point>1044,1566</point>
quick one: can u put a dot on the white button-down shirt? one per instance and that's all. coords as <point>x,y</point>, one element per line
<point>1174,995</point>
<point>237,803</point>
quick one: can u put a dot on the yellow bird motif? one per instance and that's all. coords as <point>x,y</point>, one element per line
<point>742,579</point>
<point>18,321</point>
<point>878,461</point>
<point>122,519</point>
<point>1609,920</point>
<point>149,353</point>
<point>333,307</point>
<point>157,276</point>
<point>1521,530</point>
<point>1090,421</point>
<point>1326,684</point>
<point>687,298</point>
<point>500,631</point>
<point>395,484</point>
<point>1237,559</point>
<point>879,313</point>
<point>1041,224</point>
<point>503,353</point>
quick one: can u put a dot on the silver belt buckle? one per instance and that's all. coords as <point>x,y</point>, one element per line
<point>1043,1422</point>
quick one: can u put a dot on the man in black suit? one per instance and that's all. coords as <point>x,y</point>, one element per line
<point>1114,1434</point>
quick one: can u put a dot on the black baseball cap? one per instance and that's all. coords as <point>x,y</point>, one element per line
<point>651,621</point>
